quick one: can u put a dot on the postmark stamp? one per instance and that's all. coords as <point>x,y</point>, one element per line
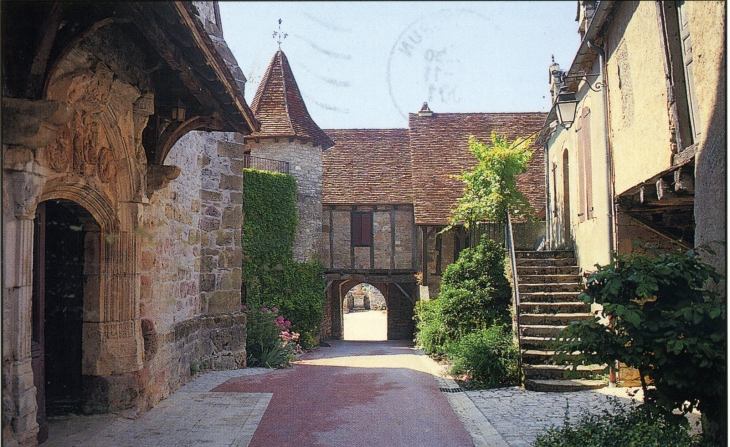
<point>435,60</point>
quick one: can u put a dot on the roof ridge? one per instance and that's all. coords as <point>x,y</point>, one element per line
<point>280,108</point>
<point>279,54</point>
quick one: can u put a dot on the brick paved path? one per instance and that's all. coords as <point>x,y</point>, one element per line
<point>355,394</point>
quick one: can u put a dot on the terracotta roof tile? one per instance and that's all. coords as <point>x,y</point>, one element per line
<point>439,148</point>
<point>367,167</point>
<point>279,107</point>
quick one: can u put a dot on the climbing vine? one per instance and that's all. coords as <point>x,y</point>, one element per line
<point>271,278</point>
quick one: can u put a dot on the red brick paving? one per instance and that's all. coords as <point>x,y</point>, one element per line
<point>385,405</point>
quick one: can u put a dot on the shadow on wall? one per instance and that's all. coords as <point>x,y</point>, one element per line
<point>711,182</point>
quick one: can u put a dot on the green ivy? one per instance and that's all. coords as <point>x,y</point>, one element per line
<point>271,277</point>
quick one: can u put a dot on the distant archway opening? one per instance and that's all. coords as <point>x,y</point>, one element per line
<point>365,314</point>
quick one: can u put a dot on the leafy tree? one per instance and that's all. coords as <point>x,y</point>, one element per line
<point>491,188</point>
<point>664,323</point>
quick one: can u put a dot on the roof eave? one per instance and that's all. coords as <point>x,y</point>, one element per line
<point>204,42</point>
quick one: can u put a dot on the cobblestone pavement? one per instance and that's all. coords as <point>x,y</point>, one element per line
<point>519,415</point>
<point>192,416</point>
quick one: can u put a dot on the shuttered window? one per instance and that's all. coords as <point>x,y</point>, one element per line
<point>681,67</point>
<point>585,166</point>
<point>362,228</point>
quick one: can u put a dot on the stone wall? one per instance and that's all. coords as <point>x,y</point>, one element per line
<point>190,266</point>
<point>305,165</point>
<point>220,224</point>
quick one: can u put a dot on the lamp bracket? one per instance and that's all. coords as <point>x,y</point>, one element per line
<point>584,76</point>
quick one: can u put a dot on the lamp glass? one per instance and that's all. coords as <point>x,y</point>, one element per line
<point>565,109</point>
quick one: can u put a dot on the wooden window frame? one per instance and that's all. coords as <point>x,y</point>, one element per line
<point>678,47</point>
<point>362,228</point>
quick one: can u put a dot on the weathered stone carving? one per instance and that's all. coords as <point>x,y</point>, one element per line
<point>26,191</point>
<point>60,152</point>
<point>32,124</point>
<point>107,165</point>
<point>159,177</point>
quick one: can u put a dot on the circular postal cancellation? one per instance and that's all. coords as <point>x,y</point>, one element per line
<point>439,58</point>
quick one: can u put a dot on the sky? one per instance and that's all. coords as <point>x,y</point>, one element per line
<point>369,64</point>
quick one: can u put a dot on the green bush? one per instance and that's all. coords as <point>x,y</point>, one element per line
<point>488,357</point>
<point>664,324</point>
<point>430,329</point>
<point>619,427</point>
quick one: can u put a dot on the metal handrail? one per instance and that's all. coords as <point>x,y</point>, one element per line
<point>509,243</point>
<point>265,164</point>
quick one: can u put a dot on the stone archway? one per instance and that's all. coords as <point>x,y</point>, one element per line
<point>400,300</point>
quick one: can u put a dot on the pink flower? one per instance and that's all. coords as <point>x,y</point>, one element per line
<point>287,323</point>
<point>264,309</point>
<point>274,309</point>
<point>243,307</point>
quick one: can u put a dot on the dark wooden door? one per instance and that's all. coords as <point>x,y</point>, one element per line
<point>63,308</point>
<point>57,311</point>
<point>38,312</point>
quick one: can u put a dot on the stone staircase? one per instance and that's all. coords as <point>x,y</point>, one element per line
<point>549,285</point>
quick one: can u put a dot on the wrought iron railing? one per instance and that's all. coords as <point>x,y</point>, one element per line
<point>491,230</point>
<point>265,164</point>
<point>509,243</point>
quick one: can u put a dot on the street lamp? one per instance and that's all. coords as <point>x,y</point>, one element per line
<point>565,107</point>
<point>178,111</point>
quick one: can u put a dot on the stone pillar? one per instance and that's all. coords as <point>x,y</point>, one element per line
<point>27,126</point>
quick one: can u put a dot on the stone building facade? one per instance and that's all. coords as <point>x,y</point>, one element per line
<point>642,161</point>
<point>114,287</point>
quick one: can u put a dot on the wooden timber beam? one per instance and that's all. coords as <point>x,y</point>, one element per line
<point>170,52</point>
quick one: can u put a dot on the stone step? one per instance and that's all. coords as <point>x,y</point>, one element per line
<point>531,342</point>
<point>551,297</point>
<point>540,330</point>
<point>547,270</point>
<point>560,372</point>
<point>548,279</point>
<point>541,356</point>
<point>532,254</point>
<point>553,308</point>
<point>553,319</point>
<point>551,262</point>
<point>562,386</point>
<point>550,287</point>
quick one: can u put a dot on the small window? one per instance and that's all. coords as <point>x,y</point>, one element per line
<point>362,227</point>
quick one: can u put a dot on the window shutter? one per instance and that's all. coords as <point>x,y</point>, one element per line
<point>356,229</point>
<point>688,60</point>
<point>586,140</point>
<point>581,172</point>
<point>367,225</point>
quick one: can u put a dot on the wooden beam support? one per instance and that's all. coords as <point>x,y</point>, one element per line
<point>170,52</point>
<point>684,180</point>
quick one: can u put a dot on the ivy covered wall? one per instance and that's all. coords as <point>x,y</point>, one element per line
<point>271,277</point>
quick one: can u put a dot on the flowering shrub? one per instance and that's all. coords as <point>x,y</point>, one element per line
<point>270,342</point>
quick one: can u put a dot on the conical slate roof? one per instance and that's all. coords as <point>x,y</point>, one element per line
<point>279,107</point>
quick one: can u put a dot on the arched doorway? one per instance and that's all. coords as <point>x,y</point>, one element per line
<point>64,247</point>
<point>566,198</point>
<point>365,314</point>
